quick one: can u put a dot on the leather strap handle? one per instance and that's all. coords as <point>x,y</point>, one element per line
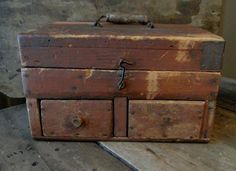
<point>125,19</point>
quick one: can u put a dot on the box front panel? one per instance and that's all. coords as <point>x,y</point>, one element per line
<point>89,83</point>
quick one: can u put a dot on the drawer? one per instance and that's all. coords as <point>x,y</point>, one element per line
<point>77,118</point>
<point>163,119</point>
<point>90,83</point>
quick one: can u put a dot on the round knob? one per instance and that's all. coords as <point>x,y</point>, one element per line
<point>77,122</point>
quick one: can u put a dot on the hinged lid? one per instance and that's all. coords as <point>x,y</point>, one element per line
<point>86,35</point>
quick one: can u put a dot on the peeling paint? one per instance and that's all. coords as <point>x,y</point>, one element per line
<point>88,73</point>
<point>40,71</point>
<point>188,43</point>
<point>162,56</point>
<point>184,41</point>
<point>183,56</point>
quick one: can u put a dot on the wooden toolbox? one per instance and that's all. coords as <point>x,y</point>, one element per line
<point>121,82</point>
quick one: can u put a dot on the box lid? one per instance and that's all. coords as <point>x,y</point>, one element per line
<point>84,34</point>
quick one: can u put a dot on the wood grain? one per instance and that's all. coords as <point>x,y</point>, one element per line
<point>120,116</point>
<point>124,36</point>
<point>62,117</point>
<point>34,117</point>
<point>71,36</point>
<point>165,119</point>
<point>73,83</point>
<point>108,58</point>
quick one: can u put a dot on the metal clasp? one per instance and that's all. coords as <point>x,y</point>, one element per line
<point>121,83</point>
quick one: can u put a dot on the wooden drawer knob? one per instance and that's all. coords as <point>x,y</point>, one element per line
<point>77,122</point>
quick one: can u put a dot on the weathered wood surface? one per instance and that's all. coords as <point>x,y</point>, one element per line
<point>77,118</point>
<point>205,49</point>
<point>33,109</point>
<point>143,120</point>
<point>20,152</point>
<point>165,119</point>
<point>108,58</point>
<point>120,116</point>
<point>218,155</point>
<point>126,36</point>
<point>69,83</point>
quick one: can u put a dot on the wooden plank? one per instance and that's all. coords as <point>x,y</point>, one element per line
<point>34,117</point>
<point>219,154</point>
<point>124,36</point>
<point>73,83</point>
<point>84,28</point>
<point>104,58</point>
<point>165,119</point>
<point>77,118</point>
<point>20,152</point>
<point>120,116</point>
<point>165,37</point>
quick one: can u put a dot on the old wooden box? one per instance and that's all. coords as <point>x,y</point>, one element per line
<point>72,79</point>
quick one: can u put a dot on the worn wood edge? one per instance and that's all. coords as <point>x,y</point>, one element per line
<point>34,117</point>
<point>204,121</point>
<point>208,120</point>
<point>135,70</point>
<point>200,38</point>
<point>120,139</point>
<point>211,117</point>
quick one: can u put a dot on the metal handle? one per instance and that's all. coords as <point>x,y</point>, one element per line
<point>121,83</point>
<point>125,19</point>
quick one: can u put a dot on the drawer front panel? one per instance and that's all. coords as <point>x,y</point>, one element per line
<point>73,83</point>
<point>77,118</point>
<point>108,58</point>
<point>162,119</point>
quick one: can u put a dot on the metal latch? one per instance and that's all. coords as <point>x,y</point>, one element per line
<point>121,83</point>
